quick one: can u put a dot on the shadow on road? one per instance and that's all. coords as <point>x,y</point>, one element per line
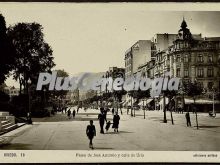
<point>102,148</point>
<point>120,132</point>
<point>208,126</point>
<point>87,114</point>
<point>15,146</point>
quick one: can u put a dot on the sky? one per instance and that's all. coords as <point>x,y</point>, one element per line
<point>93,37</point>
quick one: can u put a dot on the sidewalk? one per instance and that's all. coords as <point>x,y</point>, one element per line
<point>135,133</point>
<point>8,137</point>
<point>205,122</point>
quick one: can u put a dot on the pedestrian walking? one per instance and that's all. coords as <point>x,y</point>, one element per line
<point>68,114</point>
<point>74,113</point>
<point>102,119</point>
<point>116,119</point>
<point>91,132</point>
<point>113,111</point>
<point>188,122</point>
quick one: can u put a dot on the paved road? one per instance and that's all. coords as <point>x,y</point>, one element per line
<point>135,133</point>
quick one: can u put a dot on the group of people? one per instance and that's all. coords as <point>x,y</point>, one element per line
<point>102,120</point>
<point>69,113</point>
<point>102,117</point>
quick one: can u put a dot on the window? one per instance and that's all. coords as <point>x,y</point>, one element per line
<point>178,59</point>
<point>210,85</point>
<point>186,73</point>
<point>178,72</point>
<point>200,84</point>
<point>200,58</point>
<point>186,58</point>
<point>210,72</point>
<point>200,72</point>
<point>210,59</point>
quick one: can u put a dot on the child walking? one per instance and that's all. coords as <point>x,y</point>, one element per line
<point>90,132</point>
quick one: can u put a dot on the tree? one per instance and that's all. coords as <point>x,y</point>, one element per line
<point>171,103</point>
<point>4,97</point>
<point>131,94</point>
<point>138,94</point>
<point>145,95</point>
<point>193,89</point>
<point>7,52</point>
<point>118,97</point>
<point>61,93</point>
<point>34,55</point>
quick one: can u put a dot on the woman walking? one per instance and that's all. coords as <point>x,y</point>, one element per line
<point>116,119</point>
<point>91,132</point>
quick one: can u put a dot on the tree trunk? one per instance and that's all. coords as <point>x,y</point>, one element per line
<point>116,104</point>
<point>171,109</point>
<point>171,117</point>
<point>134,111</point>
<point>131,107</point>
<point>164,109</point>
<point>197,125</point>
<point>143,109</point>
<point>19,78</point>
<point>175,99</point>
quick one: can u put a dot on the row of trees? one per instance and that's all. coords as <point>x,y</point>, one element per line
<point>191,89</point>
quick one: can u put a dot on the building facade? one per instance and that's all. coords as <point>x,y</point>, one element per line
<point>140,53</point>
<point>114,72</point>
<point>190,57</point>
<point>184,55</point>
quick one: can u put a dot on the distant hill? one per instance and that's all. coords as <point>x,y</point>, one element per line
<point>90,78</point>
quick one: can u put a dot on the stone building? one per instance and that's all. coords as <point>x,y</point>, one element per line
<point>189,57</point>
<point>114,72</point>
<point>195,59</point>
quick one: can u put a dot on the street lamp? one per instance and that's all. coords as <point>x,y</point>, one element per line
<point>213,107</point>
<point>44,97</point>
<point>29,103</point>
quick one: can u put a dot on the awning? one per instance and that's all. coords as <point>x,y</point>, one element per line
<point>201,101</point>
<point>149,100</point>
<point>189,101</point>
<point>141,103</point>
<point>161,100</point>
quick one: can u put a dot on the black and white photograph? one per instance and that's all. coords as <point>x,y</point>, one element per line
<point>109,77</point>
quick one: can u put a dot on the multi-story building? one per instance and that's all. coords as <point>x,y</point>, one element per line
<point>147,69</point>
<point>163,41</point>
<point>139,54</point>
<point>195,59</point>
<point>184,55</point>
<point>115,72</point>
